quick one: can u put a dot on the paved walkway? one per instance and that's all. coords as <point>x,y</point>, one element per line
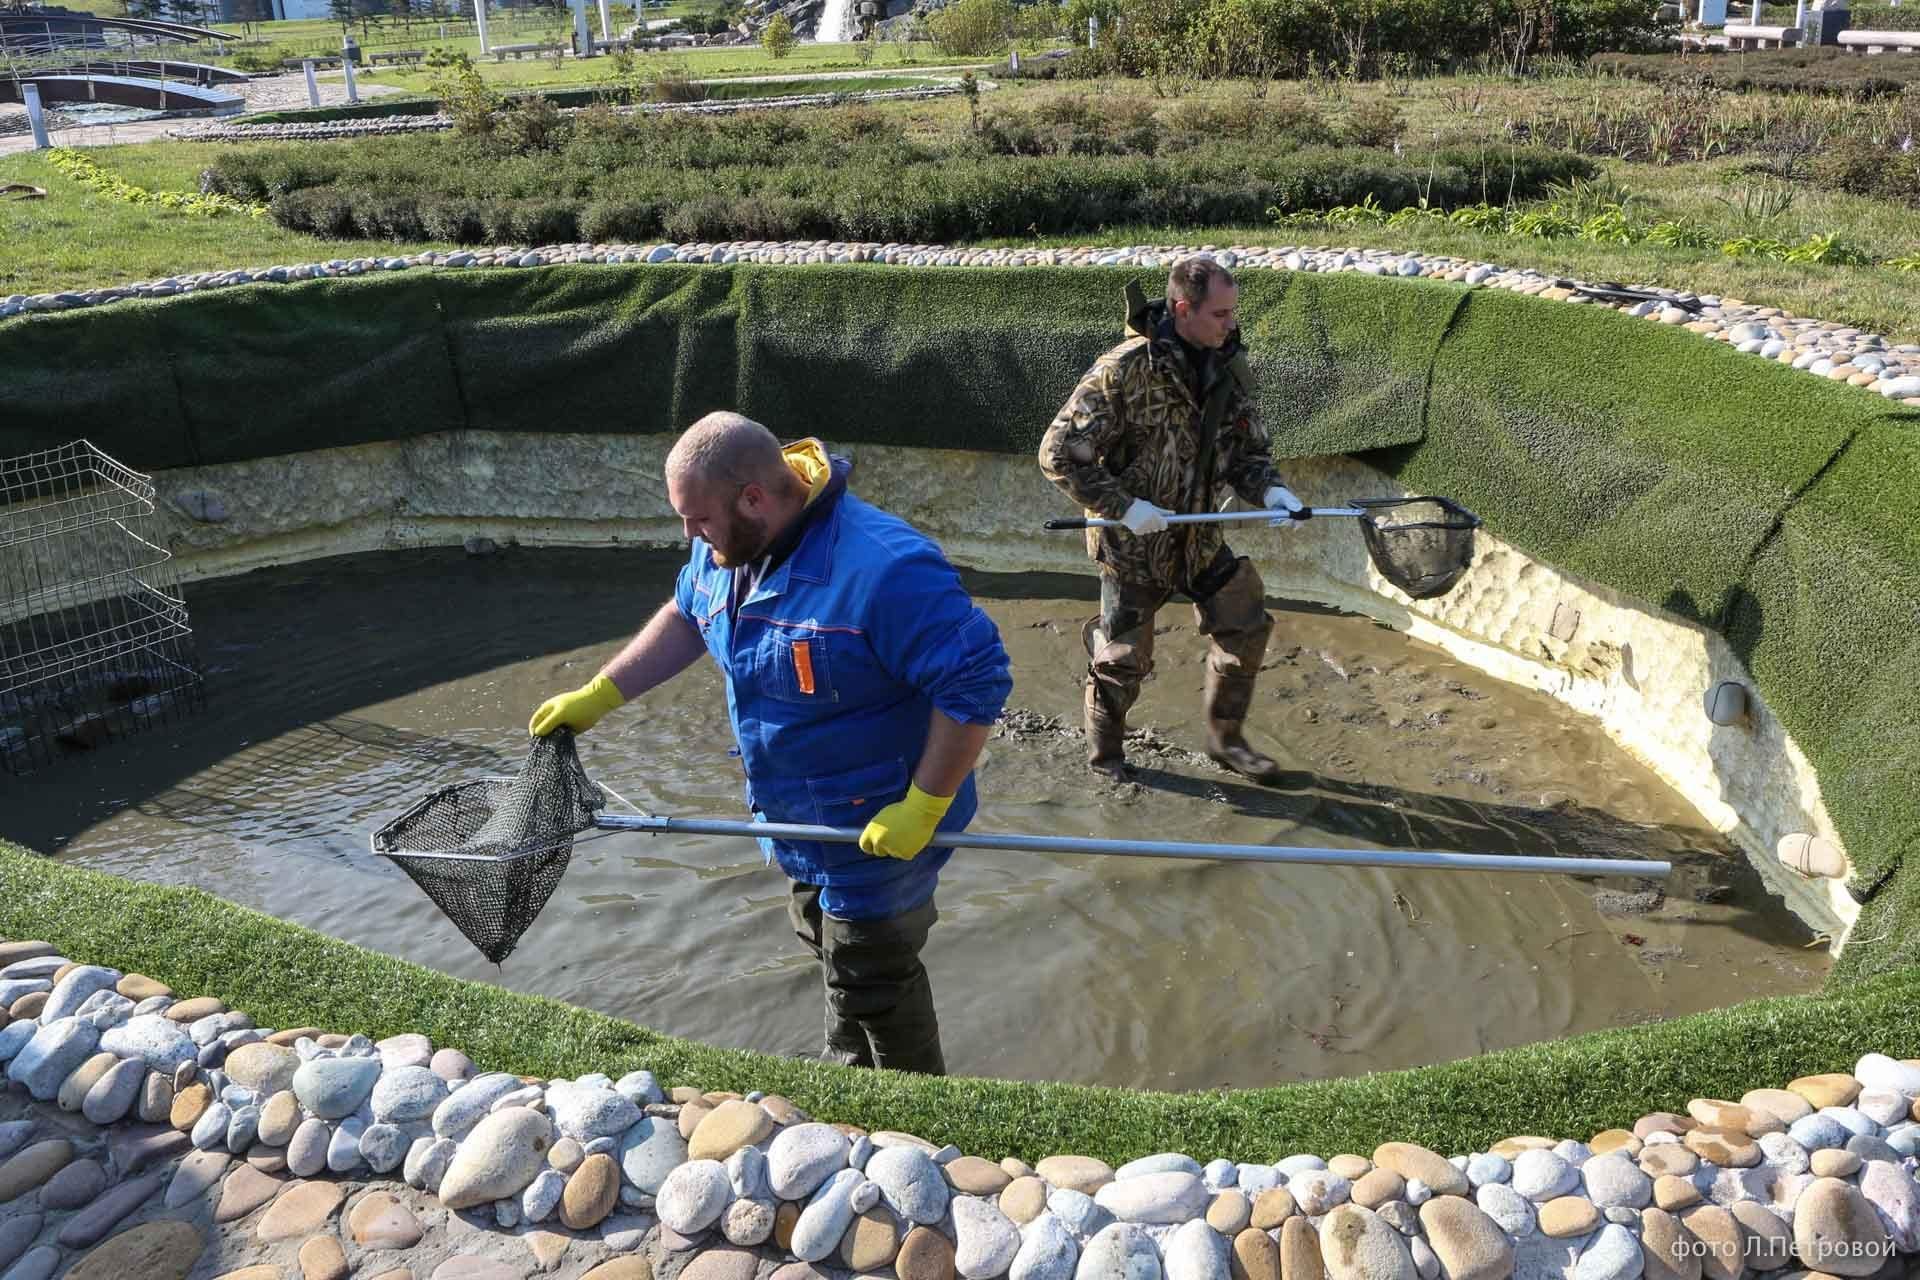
<point>267,93</point>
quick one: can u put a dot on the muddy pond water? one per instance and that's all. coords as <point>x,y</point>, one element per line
<point>342,690</point>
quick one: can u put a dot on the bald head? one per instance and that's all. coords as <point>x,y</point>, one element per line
<point>726,451</point>
<point>730,485</point>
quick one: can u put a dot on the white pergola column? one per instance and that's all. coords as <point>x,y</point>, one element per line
<point>36,121</point>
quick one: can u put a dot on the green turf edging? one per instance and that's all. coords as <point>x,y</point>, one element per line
<point>1768,505</point>
<point>286,975</point>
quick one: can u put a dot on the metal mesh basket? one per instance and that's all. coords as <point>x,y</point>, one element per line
<point>1420,545</point>
<point>94,639</point>
<point>490,853</point>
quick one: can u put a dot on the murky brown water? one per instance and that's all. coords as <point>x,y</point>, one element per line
<point>341,690</point>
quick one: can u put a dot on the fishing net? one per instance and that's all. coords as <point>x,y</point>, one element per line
<point>490,853</point>
<point>1420,545</point>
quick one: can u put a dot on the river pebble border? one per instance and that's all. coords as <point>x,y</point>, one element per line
<point>309,131</point>
<point>148,1135</point>
<point>1823,349</point>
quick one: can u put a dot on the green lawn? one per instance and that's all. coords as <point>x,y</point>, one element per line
<point>77,239</point>
<point>747,60</point>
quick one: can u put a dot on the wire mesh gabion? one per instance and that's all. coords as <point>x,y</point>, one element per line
<point>94,638</point>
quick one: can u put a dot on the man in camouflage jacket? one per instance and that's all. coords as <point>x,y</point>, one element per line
<point>1136,442</point>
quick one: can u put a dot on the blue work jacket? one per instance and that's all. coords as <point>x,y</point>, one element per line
<point>833,665</point>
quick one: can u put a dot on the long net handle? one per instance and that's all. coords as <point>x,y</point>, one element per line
<point>1406,858</point>
<point>1209,517</point>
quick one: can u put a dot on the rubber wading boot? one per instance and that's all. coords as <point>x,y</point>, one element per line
<point>1228,698</point>
<point>1106,732</point>
<point>1106,737</point>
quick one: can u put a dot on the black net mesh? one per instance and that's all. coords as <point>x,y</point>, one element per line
<point>490,853</point>
<point>1420,545</point>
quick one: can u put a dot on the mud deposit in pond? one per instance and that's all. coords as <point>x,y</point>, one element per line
<point>342,690</point>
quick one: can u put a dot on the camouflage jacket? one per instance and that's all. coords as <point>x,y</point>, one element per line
<point>1132,429</point>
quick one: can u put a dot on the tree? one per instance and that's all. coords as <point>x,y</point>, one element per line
<point>341,11</point>
<point>367,13</point>
<point>247,12</point>
<point>778,36</point>
<point>464,95</point>
<point>971,28</point>
<point>1356,22</point>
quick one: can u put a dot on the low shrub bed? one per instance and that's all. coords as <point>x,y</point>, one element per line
<point>1826,71</point>
<point>854,175</point>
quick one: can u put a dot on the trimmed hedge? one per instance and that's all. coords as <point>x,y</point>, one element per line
<point>775,178</point>
<point>381,108</point>
<point>1768,505</point>
<point>285,975</point>
<point>1816,70</point>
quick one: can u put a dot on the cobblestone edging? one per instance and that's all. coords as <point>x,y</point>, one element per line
<point>214,1147</point>
<point>304,131</point>
<point>1820,348</point>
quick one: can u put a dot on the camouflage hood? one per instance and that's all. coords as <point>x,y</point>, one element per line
<point>1153,320</point>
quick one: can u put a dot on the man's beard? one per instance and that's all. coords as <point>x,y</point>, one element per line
<point>746,541</point>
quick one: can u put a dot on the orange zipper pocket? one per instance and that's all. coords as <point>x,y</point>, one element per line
<point>803,664</point>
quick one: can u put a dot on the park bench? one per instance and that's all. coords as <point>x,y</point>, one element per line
<point>318,60</point>
<point>411,57</point>
<point>1880,41</point>
<point>1751,37</point>
<point>519,51</point>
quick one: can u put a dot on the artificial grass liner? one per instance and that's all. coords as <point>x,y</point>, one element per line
<point>926,359</point>
<point>1831,616</point>
<point>111,381</point>
<point>971,360</point>
<point>1350,359</point>
<point>1639,456</point>
<point>285,975</point>
<point>354,378</point>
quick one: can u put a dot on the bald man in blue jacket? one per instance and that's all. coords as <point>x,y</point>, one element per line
<point>862,682</point>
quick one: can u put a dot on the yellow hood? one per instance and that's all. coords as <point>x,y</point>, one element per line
<point>808,458</point>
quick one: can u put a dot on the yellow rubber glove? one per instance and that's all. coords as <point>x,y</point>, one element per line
<point>579,710</point>
<point>902,829</point>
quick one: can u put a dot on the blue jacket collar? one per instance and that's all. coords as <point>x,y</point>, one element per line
<point>812,559</point>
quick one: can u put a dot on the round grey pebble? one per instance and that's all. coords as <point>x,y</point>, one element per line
<point>695,1194</point>
<point>803,1157</point>
<point>911,1183</point>
<point>1543,1175</point>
